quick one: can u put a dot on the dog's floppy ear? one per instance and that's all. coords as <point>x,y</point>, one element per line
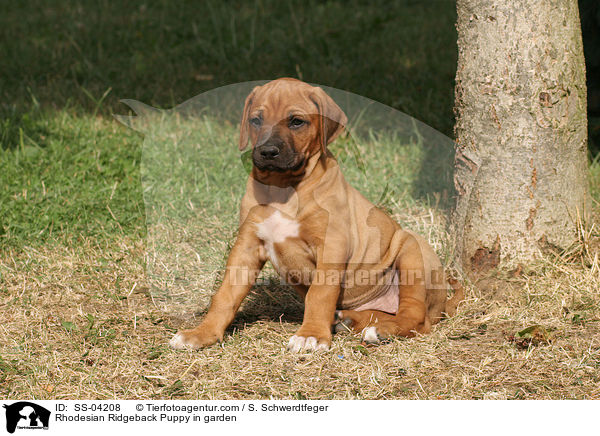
<point>332,119</point>
<point>244,123</point>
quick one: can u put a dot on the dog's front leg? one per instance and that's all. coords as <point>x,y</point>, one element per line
<point>243,266</point>
<point>319,311</point>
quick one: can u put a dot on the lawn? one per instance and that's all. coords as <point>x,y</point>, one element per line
<point>111,239</point>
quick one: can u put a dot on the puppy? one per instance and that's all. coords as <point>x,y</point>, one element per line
<point>353,265</point>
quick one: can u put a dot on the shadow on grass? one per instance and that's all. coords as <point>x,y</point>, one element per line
<point>89,56</point>
<point>436,176</point>
<point>270,302</point>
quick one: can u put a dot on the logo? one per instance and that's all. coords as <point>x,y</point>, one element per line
<point>26,415</point>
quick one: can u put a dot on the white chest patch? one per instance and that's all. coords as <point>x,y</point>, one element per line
<point>276,229</point>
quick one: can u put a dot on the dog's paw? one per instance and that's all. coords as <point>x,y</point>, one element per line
<point>342,324</point>
<point>301,343</point>
<point>192,339</point>
<point>370,336</point>
<point>179,342</point>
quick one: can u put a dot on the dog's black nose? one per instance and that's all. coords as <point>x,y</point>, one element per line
<point>269,151</point>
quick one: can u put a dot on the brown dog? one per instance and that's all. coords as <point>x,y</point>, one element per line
<point>320,234</point>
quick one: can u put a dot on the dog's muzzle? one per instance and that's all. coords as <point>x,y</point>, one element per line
<point>276,157</point>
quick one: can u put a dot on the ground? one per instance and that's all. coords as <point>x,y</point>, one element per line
<point>80,324</point>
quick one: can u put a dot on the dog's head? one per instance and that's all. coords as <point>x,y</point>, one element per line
<point>287,122</point>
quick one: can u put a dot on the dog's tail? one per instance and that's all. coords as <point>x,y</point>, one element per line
<point>459,295</point>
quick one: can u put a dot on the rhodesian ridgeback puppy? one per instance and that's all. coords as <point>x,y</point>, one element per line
<point>353,264</point>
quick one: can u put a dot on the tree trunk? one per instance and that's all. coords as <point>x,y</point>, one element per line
<point>521,130</point>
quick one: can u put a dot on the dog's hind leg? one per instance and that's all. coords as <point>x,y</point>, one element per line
<point>358,320</point>
<point>375,325</point>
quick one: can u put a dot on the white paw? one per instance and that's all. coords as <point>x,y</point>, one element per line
<point>369,335</point>
<point>299,343</point>
<point>178,342</point>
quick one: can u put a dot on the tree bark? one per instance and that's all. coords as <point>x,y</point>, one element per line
<point>521,130</point>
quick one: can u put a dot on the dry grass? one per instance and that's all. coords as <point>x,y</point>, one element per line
<point>82,323</point>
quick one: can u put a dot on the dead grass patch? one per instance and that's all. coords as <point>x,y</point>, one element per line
<point>82,323</point>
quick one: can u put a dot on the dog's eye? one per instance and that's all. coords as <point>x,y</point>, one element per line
<point>256,122</point>
<point>296,122</point>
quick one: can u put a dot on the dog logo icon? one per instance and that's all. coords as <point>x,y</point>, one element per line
<point>26,415</point>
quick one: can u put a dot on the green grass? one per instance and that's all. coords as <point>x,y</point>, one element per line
<point>80,178</point>
<point>594,179</point>
<point>61,54</point>
<point>84,176</point>
<point>67,174</point>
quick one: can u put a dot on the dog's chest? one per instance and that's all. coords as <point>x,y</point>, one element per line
<point>275,230</point>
